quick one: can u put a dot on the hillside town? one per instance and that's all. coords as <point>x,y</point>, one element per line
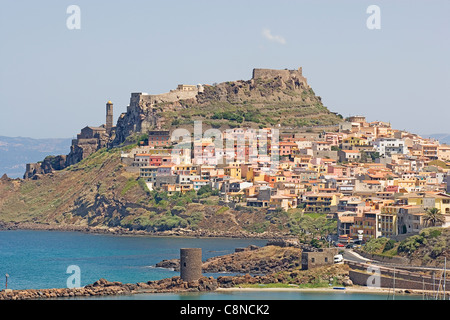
<point>376,181</point>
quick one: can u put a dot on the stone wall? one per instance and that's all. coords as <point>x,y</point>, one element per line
<point>362,279</point>
<point>293,76</point>
<point>273,73</point>
<point>82,148</point>
<point>360,273</point>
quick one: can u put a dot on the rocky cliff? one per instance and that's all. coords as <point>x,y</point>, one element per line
<point>272,97</point>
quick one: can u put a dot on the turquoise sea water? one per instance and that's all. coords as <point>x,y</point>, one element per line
<point>39,260</point>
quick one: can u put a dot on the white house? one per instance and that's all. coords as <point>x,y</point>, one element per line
<point>389,146</point>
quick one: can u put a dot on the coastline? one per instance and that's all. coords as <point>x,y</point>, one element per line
<point>164,286</point>
<point>119,231</point>
<point>176,285</point>
<point>353,289</point>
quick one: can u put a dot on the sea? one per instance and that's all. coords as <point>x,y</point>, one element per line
<point>51,259</point>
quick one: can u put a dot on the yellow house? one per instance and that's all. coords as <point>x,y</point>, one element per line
<point>321,202</point>
<point>187,169</point>
<point>387,221</point>
<point>171,189</point>
<point>302,161</point>
<point>320,168</point>
<point>283,201</point>
<point>440,201</point>
<point>356,141</point>
<point>233,172</point>
<point>407,184</point>
<point>255,175</point>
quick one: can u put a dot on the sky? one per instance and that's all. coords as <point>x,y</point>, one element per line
<point>55,80</point>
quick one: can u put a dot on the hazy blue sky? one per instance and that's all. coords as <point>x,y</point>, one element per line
<point>54,81</point>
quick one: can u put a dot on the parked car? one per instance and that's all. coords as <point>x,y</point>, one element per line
<point>338,258</point>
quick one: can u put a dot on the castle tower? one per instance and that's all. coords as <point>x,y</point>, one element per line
<point>190,264</point>
<point>109,116</point>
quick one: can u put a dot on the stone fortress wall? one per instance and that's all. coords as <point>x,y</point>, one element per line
<point>285,75</point>
<point>272,73</point>
<point>182,92</point>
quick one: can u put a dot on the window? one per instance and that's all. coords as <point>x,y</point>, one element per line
<point>326,259</point>
<point>312,260</point>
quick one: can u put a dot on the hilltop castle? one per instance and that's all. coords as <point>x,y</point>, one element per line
<point>146,112</point>
<point>285,75</point>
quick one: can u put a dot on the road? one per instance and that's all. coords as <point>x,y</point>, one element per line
<point>350,255</point>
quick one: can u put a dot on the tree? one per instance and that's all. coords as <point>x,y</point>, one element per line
<point>433,217</point>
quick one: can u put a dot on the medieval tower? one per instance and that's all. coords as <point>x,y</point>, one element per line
<point>109,117</point>
<point>190,264</point>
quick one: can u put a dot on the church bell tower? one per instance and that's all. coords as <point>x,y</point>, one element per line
<point>109,116</point>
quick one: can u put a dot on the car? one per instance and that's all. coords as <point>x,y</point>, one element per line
<point>340,245</point>
<point>338,258</point>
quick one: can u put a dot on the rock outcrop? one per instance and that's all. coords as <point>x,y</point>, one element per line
<point>48,165</point>
<point>255,99</point>
<point>251,260</point>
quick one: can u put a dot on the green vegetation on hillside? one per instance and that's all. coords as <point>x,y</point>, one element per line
<point>430,243</point>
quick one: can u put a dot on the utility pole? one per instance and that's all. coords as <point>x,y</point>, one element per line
<point>393,292</point>
<point>6,283</point>
<point>445,274</point>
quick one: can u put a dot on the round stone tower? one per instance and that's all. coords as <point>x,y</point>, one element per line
<point>190,264</point>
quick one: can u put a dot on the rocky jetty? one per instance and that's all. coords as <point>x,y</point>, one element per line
<point>334,273</point>
<point>104,287</point>
<point>253,260</point>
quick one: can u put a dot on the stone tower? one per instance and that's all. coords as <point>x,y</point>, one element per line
<point>109,117</point>
<point>190,264</point>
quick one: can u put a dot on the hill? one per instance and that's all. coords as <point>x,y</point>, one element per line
<point>281,98</point>
<point>443,138</point>
<point>16,152</point>
<point>99,194</point>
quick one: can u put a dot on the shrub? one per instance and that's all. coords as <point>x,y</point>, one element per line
<point>204,190</point>
<point>389,245</point>
<point>431,232</point>
<point>375,246</point>
<point>411,244</point>
<point>168,222</point>
<point>222,210</point>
